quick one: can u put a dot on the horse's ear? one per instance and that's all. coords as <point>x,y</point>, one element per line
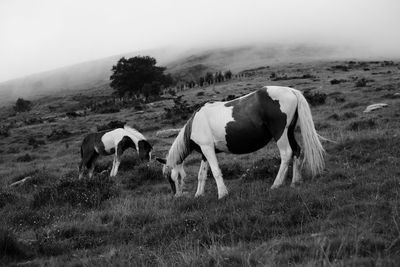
<point>161,160</point>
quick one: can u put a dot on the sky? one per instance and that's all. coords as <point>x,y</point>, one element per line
<point>40,35</point>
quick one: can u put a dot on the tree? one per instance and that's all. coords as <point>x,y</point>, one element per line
<point>130,75</point>
<point>228,75</point>
<point>201,81</point>
<point>152,89</point>
<point>209,78</point>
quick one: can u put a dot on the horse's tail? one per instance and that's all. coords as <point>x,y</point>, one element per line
<point>313,150</point>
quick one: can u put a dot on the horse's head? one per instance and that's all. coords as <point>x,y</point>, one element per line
<point>144,150</point>
<point>172,174</point>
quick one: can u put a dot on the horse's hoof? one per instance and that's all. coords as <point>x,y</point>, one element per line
<point>294,185</point>
<point>275,186</point>
<point>223,194</point>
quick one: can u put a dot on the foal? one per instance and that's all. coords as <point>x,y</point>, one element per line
<point>244,125</point>
<point>112,142</point>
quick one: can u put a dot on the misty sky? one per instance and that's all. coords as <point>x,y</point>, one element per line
<point>39,35</point>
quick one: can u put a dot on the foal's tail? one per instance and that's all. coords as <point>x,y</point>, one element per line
<point>313,150</point>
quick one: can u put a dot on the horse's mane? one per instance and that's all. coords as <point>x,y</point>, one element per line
<point>180,148</point>
<point>134,132</point>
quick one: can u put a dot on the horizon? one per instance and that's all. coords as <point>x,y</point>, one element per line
<point>52,35</point>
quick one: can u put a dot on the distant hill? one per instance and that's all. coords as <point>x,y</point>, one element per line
<point>185,64</point>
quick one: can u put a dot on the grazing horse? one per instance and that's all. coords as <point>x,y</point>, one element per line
<point>244,125</point>
<point>112,142</point>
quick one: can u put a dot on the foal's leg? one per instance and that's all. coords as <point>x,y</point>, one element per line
<point>117,161</point>
<point>209,153</point>
<point>202,177</point>
<point>115,166</point>
<point>85,161</point>
<point>286,155</point>
<point>91,164</point>
<point>81,169</point>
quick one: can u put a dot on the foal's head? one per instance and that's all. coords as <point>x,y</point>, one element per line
<point>144,150</point>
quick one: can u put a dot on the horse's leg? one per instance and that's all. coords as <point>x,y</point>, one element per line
<point>296,171</point>
<point>86,156</point>
<point>286,155</point>
<point>179,172</point>
<point>296,156</point>
<point>113,173</point>
<point>81,169</point>
<point>209,153</point>
<point>202,177</point>
<point>92,164</point>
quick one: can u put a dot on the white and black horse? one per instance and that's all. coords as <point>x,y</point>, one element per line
<point>112,142</point>
<point>244,125</point>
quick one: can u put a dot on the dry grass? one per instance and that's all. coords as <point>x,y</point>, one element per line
<point>349,215</point>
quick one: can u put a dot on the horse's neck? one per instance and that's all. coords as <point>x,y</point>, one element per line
<point>180,149</point>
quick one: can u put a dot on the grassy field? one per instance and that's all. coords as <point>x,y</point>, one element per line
<point>349,215</point>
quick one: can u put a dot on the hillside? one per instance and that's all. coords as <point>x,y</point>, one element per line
<point>183,64</point>
<point>349,215</point>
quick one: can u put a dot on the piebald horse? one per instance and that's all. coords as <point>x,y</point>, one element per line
<point>244,125</point>
<point>112,142</point>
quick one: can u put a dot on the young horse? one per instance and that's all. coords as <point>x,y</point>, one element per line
<point>107,143</point>
<point>244,125</point>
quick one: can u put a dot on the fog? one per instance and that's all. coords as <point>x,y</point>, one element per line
<point>45,34</point>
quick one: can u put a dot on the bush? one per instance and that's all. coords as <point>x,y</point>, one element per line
<point>361,125</point>
<point>361,82</point>
<point>144,174</point>
<point>316,98</point>
<point>6,198</point>
<point>338,81</point>
<point>25,158</point>
<point>88,193</point>
<point>261,169</point>
<point>5,131</point>
<point>232,171</point>
<point>35,143</point>
<point>22,105</point>
<point>181,109</point>
<point>10,248</point>
<point>111,125</point>
<point>58,135</point>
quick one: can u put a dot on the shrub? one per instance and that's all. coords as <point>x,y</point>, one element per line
<point>338,81</point>
<point>229,98</point>
<point>10,248</point>
<point>5,131</point>
<point>144,174</point>
<point>361,82</point>
<point>25,158</point>
<point>58,135</point>
<point>111,125</point>
<point>361,125</point>
<point>181,109</point>
<point>6,198</point>
<point>200,94</point>
<point>232,171</point>
<point>88,193</point>
<point>35,143</point>
<point>316,98</point>
<point>261,169</point>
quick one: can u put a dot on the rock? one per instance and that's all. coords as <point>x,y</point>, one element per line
<point>167,133</point>
<point>375,106</point>
<point>22,181</point>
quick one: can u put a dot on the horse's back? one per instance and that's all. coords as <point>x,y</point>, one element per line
<point>247,123</point>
